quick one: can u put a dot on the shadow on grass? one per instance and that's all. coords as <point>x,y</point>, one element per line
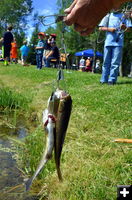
<point>124,82</point>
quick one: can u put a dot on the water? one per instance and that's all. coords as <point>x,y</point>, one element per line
<point>11,178</point>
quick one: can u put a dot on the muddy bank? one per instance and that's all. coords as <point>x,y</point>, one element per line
<point>11,178</point>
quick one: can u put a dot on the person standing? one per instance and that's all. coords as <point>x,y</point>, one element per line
<point>88,67</point>
<point>97,66</point>
<point>39,50</point>
<point>82,64</point>
<point>114,24</point>
<point>14,53</point>
<point>24,53</point>
<point>7,40</point>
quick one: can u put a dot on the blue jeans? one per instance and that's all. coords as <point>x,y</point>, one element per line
<point>111,64</point>
<point>39,60</point>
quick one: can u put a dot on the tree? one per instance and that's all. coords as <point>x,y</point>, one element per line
<point>14,12</point>
<point>33,42</point>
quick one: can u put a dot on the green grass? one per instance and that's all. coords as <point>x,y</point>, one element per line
<point>92,164</point>
<point>12,100</point>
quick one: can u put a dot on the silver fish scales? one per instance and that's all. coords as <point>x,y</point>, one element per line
<point>55,119</point>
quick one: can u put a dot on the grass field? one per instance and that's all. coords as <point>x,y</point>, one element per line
<point>92,164</point>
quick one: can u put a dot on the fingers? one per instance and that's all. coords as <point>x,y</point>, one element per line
<point>71,17</point>
<point>73,14</point>
<point>71,11</point>
<point>68,10</point>
<point>83,31</point>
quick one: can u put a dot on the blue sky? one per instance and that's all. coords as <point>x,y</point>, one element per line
<point>43,7</point>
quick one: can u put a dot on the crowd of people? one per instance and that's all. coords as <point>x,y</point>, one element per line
<point>45,50</point>
<point>85,64</point>
<point>81,14</point>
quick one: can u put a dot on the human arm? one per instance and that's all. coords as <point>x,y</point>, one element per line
<point>86,14</point>
<point>49,54</point>
<point>1,39</point>
<point>39,47</point>
<point>107,29</point>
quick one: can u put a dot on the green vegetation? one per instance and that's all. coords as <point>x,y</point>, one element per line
<point>92,164</point>
<point>11,100</point>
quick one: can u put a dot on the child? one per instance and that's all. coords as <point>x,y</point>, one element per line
<point>14,51</point>
<point>114,25</point>
<point>39,50</point>
<point>24,53</point>
<point>82,64</point>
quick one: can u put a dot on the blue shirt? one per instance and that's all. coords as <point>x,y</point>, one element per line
<point>114,20</point>
<point>40,44</point>
<point>24,50</point>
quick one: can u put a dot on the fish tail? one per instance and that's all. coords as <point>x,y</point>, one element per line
<point>59,174</point>
<point>30,181</point>
<point>28,184</point>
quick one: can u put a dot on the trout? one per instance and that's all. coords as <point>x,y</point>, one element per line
<point>55,120</point>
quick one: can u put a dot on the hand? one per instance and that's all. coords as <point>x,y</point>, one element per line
<point>111,30</point>
<point>86,14</point>
<point>123,27</point>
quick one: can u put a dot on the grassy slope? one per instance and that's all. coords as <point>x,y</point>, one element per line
<point>92,165</point>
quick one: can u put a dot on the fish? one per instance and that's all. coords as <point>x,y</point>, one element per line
<point>62,120</point>
<point>55,120</point>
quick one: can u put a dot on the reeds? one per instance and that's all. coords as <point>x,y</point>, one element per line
<point>11,100</point>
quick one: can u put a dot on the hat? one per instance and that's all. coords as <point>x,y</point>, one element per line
<point>53,35</point>
<point>46,34</point>
<point>41,33</point>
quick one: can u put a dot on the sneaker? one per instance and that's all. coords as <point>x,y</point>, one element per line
<point>111,83</point>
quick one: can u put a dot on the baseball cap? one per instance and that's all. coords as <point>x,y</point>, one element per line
<point>41,33</point>
<point>54,35</point>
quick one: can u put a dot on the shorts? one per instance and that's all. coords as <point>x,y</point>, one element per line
<point>7,49</point>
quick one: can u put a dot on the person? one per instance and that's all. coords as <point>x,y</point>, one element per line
<point>39,50</point>
<point>1,54</point>
<point>24,53</point>
<point>47,47</point>
<point>53,54</point>
<point>7,39</point>
<point>86,14</point>
<point>114,24</point>
<point>82,64</point>
<point>52,37</point>
<point>97,66</point>
<point>88,67</point>
<point>13,52</point>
